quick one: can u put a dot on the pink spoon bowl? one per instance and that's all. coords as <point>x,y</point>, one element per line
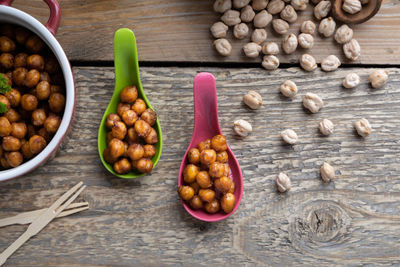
<point>206,125</point>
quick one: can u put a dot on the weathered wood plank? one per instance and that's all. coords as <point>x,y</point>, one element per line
<point>178,30</point>
<point>353,220</point>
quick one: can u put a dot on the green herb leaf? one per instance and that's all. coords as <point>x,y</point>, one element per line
<point>4,87</point>
<point>3,108</point>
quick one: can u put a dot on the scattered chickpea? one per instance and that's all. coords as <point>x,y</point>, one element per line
<point>352,6</point>
<point>351,80</point>
<point>288,89</point>
<point>223,47</point>
<point>231,17</point>
<point>326,127</point>
<point>327,172</point>
<point>252,99</point>
<point>242,127</point>
<point>289,43</point>
<point>221,6</point>
<point>252,50</point>
<point>307,62</point>
<point>258,36</point>
<point>330,63</point>
<point>308,27</point>
<point>378,78</point>
<point>352,49</point>
<point>299,4</point>
<point>280,26</point>
<point>322,9</point>
<point>247,14</point>
<point>312,102</point>
<point>289,14</point>
<point>219,29</point>
<point>262,19</point>
<point>275,6</point>
<point>270,48</point>
<point>270,62</point>
<point>327,27</point>
<point>306,40</point>
<point>343,34</point>
<point>289,136</point>
<point>240,31</point>
<point>363,127</point>
<point>283,182</point>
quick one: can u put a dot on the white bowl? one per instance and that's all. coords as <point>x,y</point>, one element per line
<point>15,16</point>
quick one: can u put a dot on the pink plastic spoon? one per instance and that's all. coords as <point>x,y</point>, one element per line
<point>206,125</point>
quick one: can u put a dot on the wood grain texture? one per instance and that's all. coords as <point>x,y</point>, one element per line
<point>351,221</point>
<point>178,30</point>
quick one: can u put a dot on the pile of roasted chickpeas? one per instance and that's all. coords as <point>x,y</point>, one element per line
<point>207,181</point>
<point>131,137</point>
<point>35,103</point>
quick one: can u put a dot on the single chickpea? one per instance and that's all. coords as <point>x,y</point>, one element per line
<point>142,128</point>
<point>312,102</point>
<point>228,202</point>
<point>327,27</point>
<point>122,107</point>
<point>227,170</point>
<point>351,80</point>
<point>289,14</point>
<point>262,19</point>
<point>306,40</point>
<point>135,151</point>
<point>35,62</point>
<point>186,192</point>
<point>322,9</point>
<point>20,60</point>
<point>107,156</point>
<point>299,4</point>
<point>44,76</point>
<point>289,89</point>
<point>144,165</point>
<point>270,48</point>
<point>232,190</point>
<point>56,102</point>
<point>196,203</point>
<point>242,127</point>
<point>352,6</point>
<point>117,148</point>
<point>275,6</point>
<point>223,47</point>
<point>19,129</point>
<point>289,136</point>
<point>258,36</point>
<point>246,15</point>
<point>129,117</point>
<point>327,172</point>
<point>111,118</point>
<point>212,207</point>
<point>238,4</point>
<point>132,137</point>
<point>223,184</point>
<point>270,62</point>
<point>194,156</point>
<point>218,143</point>
<point>363,127</point>
<point>139,106</point>
<point>10,143</point>
<point>4,163</point>
<point>221,6</point>
<point>208,156</point>
<point>352,49</point>
<point>45,134</point>
<point>52,123</point>
<point>203,179</point>
<point>149,151</point>
<point>280,26</point>
<point>122,166</point>
<point>289,43</point>
<point>6,60</point>
<point>12,115</point>
<point>253,100</point>
<point>216,170</point>
<point>8,77</point>
<point>252,50</point>
<point>26,150</point>
<point>378,78</point>
<point>222,157</point>
<point>34,44</point>
<point>343,34</point>
<point>14,97</point>
<point>195,186</point>
<point>14,159</point>
<point>240,31</point>
<point>259,4</point>
<point>190,172</point>
<point>231,17</point>
<point>19,75</point>
<point>38,117</point>
<point>43,90</point>
<point>219,29</point>
<point>330,63</point>
<point>204,145</point>
<point>129,94</point>
<point>6,44</point>
<point>308,62</point>
<point>29,102</point>
<point>119,130</point>
<point>283,182</point>
<point>4,100</point>
<point>207,195</point>
<point>149,116</point>
<point>32,78</point>
<point>37,143</point>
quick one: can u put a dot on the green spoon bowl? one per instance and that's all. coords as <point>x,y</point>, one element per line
<point>126,73</point>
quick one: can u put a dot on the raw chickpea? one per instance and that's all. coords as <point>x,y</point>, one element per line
<point>44,76</point>
<point>56,102</point>
<point>139,106</point>
<point>5,127</point>
<point>190,172</point>
<point>14,159</point>
<point>19,129</point>
<point>45,134</point>
<point>135,151</point>
<point>219,29</point>
<point>35,62</point>
<point>119,130</point>
<point>196,187</point>
<point>216,170</point>
<point>6,60</point>
<point>14,97</point>
<point>12,115</point>
<point>218,143</point>
<point>129,117</point>
<point>122,166</point>
<point>204,145</point>
<point>6,44</point>
<point>149,116</point>
<point>212,207</point>
<point>128,94</point>
<point>196,203</point>
<point>43,90</point>
<point>20,60</point>
<point>34,44</point>
<point>109,137</point>
<point>10,143</point>
<point>142,128</point>
<point>152,137</point>
<point>52,123</point>
<point>222,157</point>
<point>117,148</point>
<point>131,136</point>
<point>122,107</point>
<point>149,151</point>
<point>223,184</point>
<point>223,47</point>
<point>19,75</point>
<point>194,155</point>
<point>4,163</point>
<point>207,195</point>
<point>111,118</point>
<point>5,101</point>
<point>32,78</point>
<point>38,117</point>
<point>21,34</point>
<point>203,179</point>
<point>185,192</point>
<point>228,202</point>
<point>208,156</point>
<point>26,150</point>
<point>144,165</point>
<point>51,65</point>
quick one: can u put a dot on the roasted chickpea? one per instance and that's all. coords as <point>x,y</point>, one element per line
<point>190,172</point>
<point>128,94</point>
<point>139,106</point>
<point>194,156</point>
<point>204,145</point>
<point>20,60</point>
<point>8,77</point>
<point>132,137</point>
<point>12,115</point>
<point>232,190</point>
<point>142,128</point>
<point>4,163</point>
<point>5,101</point>
<point>149,151</point>
<point>10,143</point>
<point>111,118</point>
<point>19,129</point>
<point>43,90</point>
<point>216,170</point>
<point>129,117</point>
<point>14,159</point>
<point>223,184</point>
<point>208,156</point>
<point>26,150</point>
<point>119,130</point>
<point>34,44</point>
<point>122,166</point>
<point>56,89</point>
<point>6,60</point>
<point>45,134</point>
<point>31,130</point>
<point>5,127</point>
<point>135,151</point>
<point>212,207</point>
<point>38,117</point>
<point>196,203</point>
<point>218,143</point>
<point>6,44</point>
<point>152,137</point>
<point>21,34</point>
<point>126,150</point>
<point>144,165</point>
<point>52,123</point>
<point>149,116</point>
<point>122,107</point>
<point>57,102</point>
<point>29,102</point>
<point>203,179</point>
<point>51,65</point>
<point>32,78</point>
<point>35,62</point>
<point>109,137</point>
<point>117,148</point>
<point>222,157</point>
<point>228,202</point>
<point>14,97</point>
<point>207,195</point>
<point>44,76</point>
<point>107,156</point>
<point>194,185</point>
<point>19,75</point>
<point>186,192</point>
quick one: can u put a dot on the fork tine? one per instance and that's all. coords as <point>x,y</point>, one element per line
<point>69,201</point>
<point>64,197</point>
<point>76,205</point>
<point>72,211</point>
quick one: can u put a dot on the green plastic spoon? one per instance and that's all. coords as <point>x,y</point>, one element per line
<point>126,73</point>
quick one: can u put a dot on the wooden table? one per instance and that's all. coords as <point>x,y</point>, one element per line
<point>354,220</point>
